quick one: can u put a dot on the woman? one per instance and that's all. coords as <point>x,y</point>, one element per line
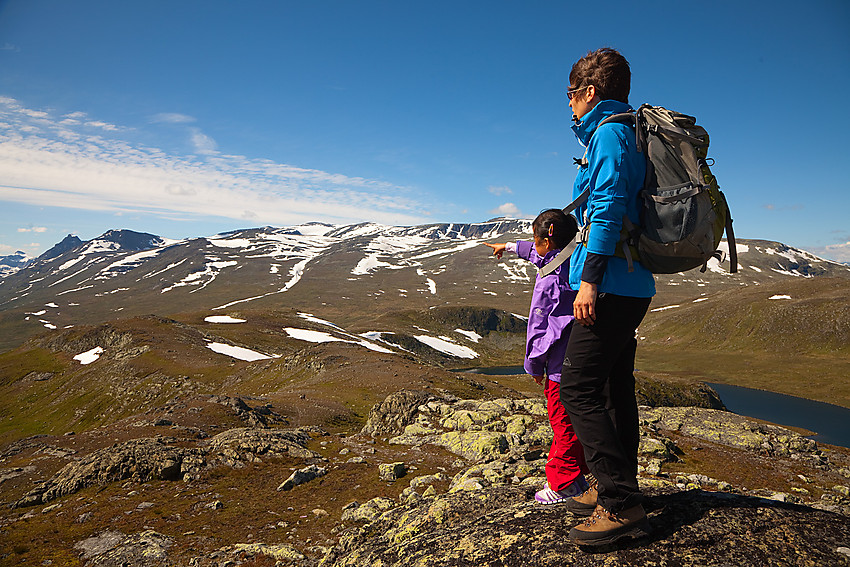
<point>597,380</point>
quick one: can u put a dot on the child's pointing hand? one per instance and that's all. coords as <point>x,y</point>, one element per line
<point>498,249</point>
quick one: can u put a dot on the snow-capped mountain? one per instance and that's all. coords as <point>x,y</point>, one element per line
<point>13,262</point>
<point>352,271</point>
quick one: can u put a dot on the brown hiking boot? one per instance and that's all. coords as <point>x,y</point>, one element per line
<point>584,504</point>
<point>603,527</point>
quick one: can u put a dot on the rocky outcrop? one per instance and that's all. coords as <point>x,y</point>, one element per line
<point>160,458</point>
<point>733,430</point>
<point>652,391</point>
<point>244,444</point>
<point>504,526</point>
<point>139,459</point>
<point>110,549</point>
<point>396,411</point>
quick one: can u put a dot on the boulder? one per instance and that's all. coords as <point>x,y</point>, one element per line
<point>390,416</point>
<point>301,476</point>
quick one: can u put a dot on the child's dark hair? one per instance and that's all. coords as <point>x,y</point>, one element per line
<point>556,225</point>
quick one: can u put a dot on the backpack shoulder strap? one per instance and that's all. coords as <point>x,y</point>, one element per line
<point>560,258</point>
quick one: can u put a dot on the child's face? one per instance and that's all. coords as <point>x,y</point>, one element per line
<point>543,246</point>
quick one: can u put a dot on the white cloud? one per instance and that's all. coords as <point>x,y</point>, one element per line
<point>172,118</point>
<point>835,252</point>
<point>499,190</point>
<point>507,210</point>
<point>43,160</point>
<point>33,229</point>
<point>203,144</point>
<point>104,125</point>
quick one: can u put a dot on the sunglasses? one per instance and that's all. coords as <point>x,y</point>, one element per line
<point>572,92</point>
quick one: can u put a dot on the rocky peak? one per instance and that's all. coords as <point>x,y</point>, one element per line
<point>68,243</point>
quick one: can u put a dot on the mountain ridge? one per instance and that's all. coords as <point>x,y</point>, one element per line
<point>124,273</point>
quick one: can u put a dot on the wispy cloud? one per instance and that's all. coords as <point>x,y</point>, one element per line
<point>507,210</point>
<point>793,207</point>
<point>33,229</point>
<point>203,144</point>
<point>172,118</point>
<point>59,161</point>
<point>499,190</point>
<point>836,252</point>
<point>10,47</point>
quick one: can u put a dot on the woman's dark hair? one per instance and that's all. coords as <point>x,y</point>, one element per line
<point>607,70</point>
<point>556,225</point>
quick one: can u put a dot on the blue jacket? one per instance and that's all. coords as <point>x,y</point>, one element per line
<point>549,317</point>
<point>615,172</point>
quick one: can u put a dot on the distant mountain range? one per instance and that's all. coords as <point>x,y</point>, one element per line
<point>351,271</point>
<point>13,262</point>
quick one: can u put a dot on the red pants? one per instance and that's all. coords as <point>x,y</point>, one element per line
<point>566,456</point>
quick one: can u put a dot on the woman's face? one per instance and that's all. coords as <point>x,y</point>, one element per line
<point>583,100</point>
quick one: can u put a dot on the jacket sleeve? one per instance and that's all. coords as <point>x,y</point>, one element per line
<point>549,322</point>
<point>609,190</point>
<point>525,250</point>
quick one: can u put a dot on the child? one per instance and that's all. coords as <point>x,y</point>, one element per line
<point>549,321</point>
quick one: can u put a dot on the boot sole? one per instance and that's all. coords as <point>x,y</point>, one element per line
<point>634,531</point>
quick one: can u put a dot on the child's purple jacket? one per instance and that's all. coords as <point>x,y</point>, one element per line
<point>550,316</point>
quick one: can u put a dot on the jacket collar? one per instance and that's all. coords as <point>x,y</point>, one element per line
<point>550,255</point>
<point>590,121</point>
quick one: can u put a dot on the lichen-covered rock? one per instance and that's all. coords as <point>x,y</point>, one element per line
<point>504,526</point>
<point>391,471</point>
<point>138,459</point>
<point>426,480</point>
<point>114,549</point>
<point>155,458</point>
<point>395,412</point>
<point>368,511</point>
<point>248,444</point>
<point>280,551</point>
<point>261,416</point>
<point>474,445</point>
<point>662,449</point>
<point>728,429</point>
<point>301,476</point>
<point>657,392</point>
<point>517,424</point>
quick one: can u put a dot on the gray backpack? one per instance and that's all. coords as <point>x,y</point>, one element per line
<point>683,213</point>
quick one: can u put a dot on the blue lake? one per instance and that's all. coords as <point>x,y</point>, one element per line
<point>831,423</point>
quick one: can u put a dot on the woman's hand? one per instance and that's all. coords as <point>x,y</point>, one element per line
<point>538,379</point>
<point>498,249</point>
<point>584,306</point>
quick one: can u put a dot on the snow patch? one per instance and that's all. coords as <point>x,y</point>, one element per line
<point>665,308</point>
<point>323,337</point>
<point>232,243</point>
<point>310,317</point>
<point>89,356</point>
<point>446,347</point>
<point>240,353</point>
<point>779,297</point>
<point>223,319</point>
<point>471,335</point>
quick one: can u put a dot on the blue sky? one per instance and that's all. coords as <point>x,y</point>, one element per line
<point>194,117</point>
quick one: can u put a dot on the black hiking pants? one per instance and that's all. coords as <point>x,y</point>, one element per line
<point>598,392</point>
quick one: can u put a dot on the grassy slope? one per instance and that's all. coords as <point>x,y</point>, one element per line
<point>798,346</point>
